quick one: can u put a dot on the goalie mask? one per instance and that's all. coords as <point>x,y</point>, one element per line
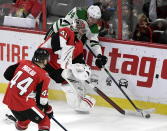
<point>79,26</point>
<point>81,71</point>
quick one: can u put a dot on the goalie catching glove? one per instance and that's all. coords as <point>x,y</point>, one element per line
<point>81,71</point>
<point>101,60</point>
<point>78,71</point>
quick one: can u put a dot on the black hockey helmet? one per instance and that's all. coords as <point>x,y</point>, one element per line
<point>40,55</point>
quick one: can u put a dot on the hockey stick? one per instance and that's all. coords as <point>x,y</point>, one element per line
<point>117,107</point>
<point>109,74</point>
<point>11,117</point>
<point>136,108</point>
<point>105,97</point>
<point>59,124</point>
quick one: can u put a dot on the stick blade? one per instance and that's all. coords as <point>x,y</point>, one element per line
<point>150,110</point>
<point>133,113</point>
<point>141,113</point>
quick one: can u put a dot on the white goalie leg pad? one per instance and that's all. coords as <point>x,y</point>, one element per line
<point>73,100</point>
<point>86,104</point>
<point>71,90</point>
<point>75,93</point>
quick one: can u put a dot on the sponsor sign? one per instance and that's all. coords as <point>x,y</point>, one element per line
<point>139,70</point>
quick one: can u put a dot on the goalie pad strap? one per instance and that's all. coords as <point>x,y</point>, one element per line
<point>88,101</point>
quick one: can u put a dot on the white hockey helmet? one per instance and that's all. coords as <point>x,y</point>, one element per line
<point>94,12</point>
<point>81,71</point>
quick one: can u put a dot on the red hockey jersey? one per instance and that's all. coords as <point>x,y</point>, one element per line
<point>20,94</point>
<point>55,45</point>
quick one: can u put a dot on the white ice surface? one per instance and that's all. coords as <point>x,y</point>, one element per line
<point>100,119</point>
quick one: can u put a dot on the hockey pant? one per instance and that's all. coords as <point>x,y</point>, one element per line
<point>76,93</point>
<point>35,115</point>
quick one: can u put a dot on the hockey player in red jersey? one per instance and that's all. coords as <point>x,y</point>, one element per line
<point>67,64</point>
<point>28,87</point>
<point>66,42</point>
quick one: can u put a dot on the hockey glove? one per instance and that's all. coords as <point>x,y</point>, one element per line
<point>101,60</point>
<point>48,111</point>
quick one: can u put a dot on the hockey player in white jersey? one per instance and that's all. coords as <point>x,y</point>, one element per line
<point>91,16</point>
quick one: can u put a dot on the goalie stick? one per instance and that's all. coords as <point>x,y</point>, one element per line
<point>144,114</point>
<point>109,74</point>
<point>105,97</point>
